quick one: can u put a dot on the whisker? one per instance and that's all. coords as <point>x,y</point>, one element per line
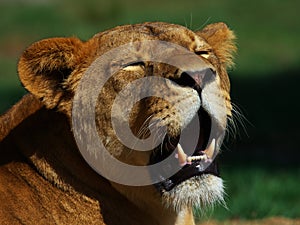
<point>204,24</point>
<point>159,135</point>
<point>191,20</point>
<point>144,126</point>
<point>185,23</point>
<point>241,119</point>
<point>161,146</point>
<point>145,130</point>
<point>236,121</point>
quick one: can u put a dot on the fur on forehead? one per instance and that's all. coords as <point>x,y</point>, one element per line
<point>51,68</point>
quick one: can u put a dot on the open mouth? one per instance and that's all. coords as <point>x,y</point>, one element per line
<point>201,161</point>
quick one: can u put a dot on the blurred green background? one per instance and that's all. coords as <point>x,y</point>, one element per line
<point>260,165</point>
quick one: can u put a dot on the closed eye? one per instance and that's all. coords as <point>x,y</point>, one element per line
<point>204,54</point>
<point>134,66</point>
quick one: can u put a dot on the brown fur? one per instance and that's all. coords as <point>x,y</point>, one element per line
<point>43,178</point>
<point>20,111</point>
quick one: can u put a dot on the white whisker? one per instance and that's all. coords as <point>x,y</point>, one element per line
<point>236,121</point>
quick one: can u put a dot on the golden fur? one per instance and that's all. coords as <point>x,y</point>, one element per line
<point>43,177</point>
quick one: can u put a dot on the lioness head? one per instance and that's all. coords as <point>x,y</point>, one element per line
<point>53,68</point>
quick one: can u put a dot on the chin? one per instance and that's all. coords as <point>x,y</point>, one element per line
<point>202,191</point>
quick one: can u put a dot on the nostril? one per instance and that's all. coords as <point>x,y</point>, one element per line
<point>202,77</point>
<point>196,79</point>
<point>185,80</point>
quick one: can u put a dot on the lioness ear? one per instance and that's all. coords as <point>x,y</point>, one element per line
<point>222,40</point>
<point>46,64</point>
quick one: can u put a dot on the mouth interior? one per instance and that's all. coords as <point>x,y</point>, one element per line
<point>200,162</point>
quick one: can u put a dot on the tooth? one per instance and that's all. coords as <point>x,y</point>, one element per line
<point>194,158</point>
<point>209,152</point>
<point>181,155</point>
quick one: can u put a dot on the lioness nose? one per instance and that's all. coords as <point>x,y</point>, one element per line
<point>202,77</point>
<point>196,79</point>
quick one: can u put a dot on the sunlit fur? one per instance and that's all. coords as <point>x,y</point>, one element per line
<point>51,183</point>
<point>201,191</point>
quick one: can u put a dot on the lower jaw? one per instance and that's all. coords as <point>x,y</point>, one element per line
<point>203,191</point>
<point>188,172</point>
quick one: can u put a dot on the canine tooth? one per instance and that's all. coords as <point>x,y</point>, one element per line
<point>209,152</point>
<point>182,157</point>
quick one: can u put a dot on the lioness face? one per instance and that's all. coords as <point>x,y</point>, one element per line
<point>201,93</point>
<point>52,70</point>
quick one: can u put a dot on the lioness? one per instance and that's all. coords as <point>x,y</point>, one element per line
<point>44,178</point>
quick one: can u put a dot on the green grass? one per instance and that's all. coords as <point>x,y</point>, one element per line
<point>255,192</point>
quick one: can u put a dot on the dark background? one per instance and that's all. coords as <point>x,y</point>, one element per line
<point>260,163</point>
